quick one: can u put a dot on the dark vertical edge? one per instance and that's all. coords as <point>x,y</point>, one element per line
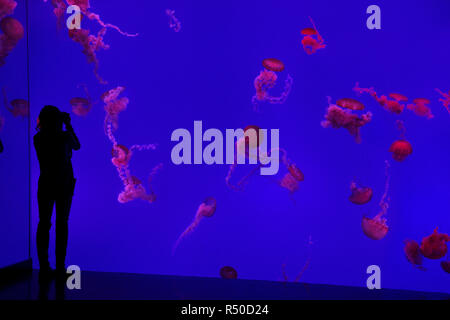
<point>27,13</point>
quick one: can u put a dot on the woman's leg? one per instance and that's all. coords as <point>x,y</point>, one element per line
<point>63,205</point>
<point>45,203</point>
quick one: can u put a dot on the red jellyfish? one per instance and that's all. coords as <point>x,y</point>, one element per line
<point>420,108</point>
<point>174,23</point>
<point>228,272</point>
<point>360,195</point>
<point>247,147</point>
<point>396,105</point>
<point>81,106</point>
<point>312,40</point>
<point>413,254</point>
<point>90,44</point>
<point>135,190</point>
<point>445,100</point>
<point>293,177</point>
<point>12,32</point>
<point>434,246</point>
<point>349,103</point>
<point>401,149</point>
<point>121,155</point>
<point>113,107</point>
<point>206,209</point>
<point>17,107</point>
<point>266,80</point>
<point>7,8</point>
<point>59,9</point>
<point>337,117</point>
<point>376,228</point>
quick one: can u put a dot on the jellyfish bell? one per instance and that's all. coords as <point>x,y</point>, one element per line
<point>400,149</point>
<point>19,107</point>
<point>12,28</point>
<point>228,272</point>
<point>434,246</point>
<point>273,64</point>
<point>398,97</point>
<point>208,207</point>
<point>80,106</point>
<point>308,31</point>
<point>375,229</point>
<point>360,195</point>
<point>412,252</point>
<point>421,101</point>
<point>350,103</point>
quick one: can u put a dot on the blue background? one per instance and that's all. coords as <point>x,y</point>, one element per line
<point>206,72</point>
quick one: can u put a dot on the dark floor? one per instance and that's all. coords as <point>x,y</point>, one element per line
<point>113,286</point>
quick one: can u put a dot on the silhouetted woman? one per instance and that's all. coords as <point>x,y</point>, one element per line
<point>56,182</point>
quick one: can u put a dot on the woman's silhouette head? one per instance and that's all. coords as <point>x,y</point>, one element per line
<point>50,119</point>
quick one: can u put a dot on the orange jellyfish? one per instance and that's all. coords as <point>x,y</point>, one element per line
<point>401,149</point>
<point>12,33</point>
<point>376,228</point>
<point>312,40</point>
<point>360,195</point>
<point>349,103</point>
<point>413,254</point>
<point>420,108</point>
<point>81,106</point>
<point>337,117</point>
<point>206,209</point>
<point>434,246</point>
<point>133,190</point>
<point>445,100</point>
<point>228,272</point>
<point>266,80</point>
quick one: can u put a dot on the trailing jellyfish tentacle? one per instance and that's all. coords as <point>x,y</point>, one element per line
<point>283,97</point>
<point>384,202</point>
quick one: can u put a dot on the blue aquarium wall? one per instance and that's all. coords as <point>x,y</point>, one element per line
<point>15,157</point>
<point>205,72</point>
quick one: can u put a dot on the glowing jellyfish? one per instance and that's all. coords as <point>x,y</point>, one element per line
<point>228,272</point>
<point>113,107</point>
<point>376,228</point>
<point>394,103</point>
<point>401,149</point>
<point>90,44</point>
<point>445,265</point>
<point>174,23</point>
<point>434,246</point>
<point>247,147</point>
<point>413,254</point>
<point>312,40</point>
<point>206,209</point>
<point>12,33</point>
<point>7,8</point>
<point>337,117</point>
<point>266,80</point>
<point>360,195</point>
<point>420,108</point>
<point>292,178</point>
<point>17,107</point>
<point>445,100</point>
<point>81,106</point>
<point>59,9</point>
<point>121,155</point>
